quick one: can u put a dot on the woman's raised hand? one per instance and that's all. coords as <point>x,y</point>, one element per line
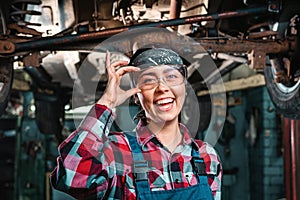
<point>113,94</point>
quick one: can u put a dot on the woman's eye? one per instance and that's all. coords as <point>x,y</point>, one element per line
<point>148,80</point>
<point>172,77</point>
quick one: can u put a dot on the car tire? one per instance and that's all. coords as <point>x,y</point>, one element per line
<point>286,99</point>
<point>285,94</point>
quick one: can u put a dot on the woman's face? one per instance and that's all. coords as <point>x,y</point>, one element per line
<point>162,93</point>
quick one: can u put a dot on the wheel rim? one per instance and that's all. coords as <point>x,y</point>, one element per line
<point>282,87</point>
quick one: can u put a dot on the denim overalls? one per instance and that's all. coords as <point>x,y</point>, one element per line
<point>201,191</point>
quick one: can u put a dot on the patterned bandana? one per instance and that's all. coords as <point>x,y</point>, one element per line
<point>154,57</point>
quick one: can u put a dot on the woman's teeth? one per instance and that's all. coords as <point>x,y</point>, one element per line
<point>164,101</point>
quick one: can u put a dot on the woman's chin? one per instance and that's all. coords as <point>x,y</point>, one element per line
<point>165,118</point>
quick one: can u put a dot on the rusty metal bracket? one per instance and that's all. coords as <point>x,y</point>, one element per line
<point>32,59</point>
<point>257,59</point>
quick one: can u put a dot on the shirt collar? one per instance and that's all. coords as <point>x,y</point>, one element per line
<point>145,135</point>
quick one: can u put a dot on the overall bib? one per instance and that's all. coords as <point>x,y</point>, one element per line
<point>201,191</point>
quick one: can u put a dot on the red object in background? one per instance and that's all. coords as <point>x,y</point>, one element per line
<point>292,158</point>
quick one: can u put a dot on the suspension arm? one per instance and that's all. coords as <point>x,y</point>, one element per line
<point>65,42</point>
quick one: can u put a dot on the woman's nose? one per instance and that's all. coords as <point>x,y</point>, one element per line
<point>161,84</point>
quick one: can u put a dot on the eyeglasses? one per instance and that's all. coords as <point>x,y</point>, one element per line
<point>169,75</point>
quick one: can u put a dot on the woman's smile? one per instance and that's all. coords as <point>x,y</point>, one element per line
<point>164,104</point>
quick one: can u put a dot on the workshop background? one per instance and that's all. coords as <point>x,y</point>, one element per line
<point>259,146</point>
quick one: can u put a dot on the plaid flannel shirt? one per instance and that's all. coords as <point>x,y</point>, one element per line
<point>97,164</point>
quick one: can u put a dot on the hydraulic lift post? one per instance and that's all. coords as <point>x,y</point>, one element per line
<point>292,158</point>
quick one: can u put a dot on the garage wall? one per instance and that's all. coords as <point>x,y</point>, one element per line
<point>233,150</point>
<point>251,148</point>
<point>266,154</point>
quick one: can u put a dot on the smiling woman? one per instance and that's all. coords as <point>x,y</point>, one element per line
<point>159,159</point>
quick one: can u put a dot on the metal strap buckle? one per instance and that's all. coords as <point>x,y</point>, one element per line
<point>199,166</point>
<point>140,169</point>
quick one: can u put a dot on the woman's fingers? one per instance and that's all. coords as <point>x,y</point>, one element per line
<point>118,66</point>
<point>132,92</point>
<point>123,70</point>
<point>109,68</point>
<point>119,63</point>
<point>114,95</point>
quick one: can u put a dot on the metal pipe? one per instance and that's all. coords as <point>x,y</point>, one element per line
<point>175,9</point>
<point>297,145</point>
<point>287,157</point>
<point>48,43</point>
<point>293,159</point>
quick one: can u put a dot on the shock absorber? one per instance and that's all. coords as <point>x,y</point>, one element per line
<point>19,10</point>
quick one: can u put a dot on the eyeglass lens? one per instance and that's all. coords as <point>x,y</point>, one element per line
<point>150,79</point>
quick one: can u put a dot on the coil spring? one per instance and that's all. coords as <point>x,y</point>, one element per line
<point>19,10</point>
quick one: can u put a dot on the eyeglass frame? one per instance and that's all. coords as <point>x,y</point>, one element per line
<point>180,67</point>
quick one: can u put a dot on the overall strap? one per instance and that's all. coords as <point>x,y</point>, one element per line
<point>140,165</point>
<point>199,167</point>
<point>136,149</point>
